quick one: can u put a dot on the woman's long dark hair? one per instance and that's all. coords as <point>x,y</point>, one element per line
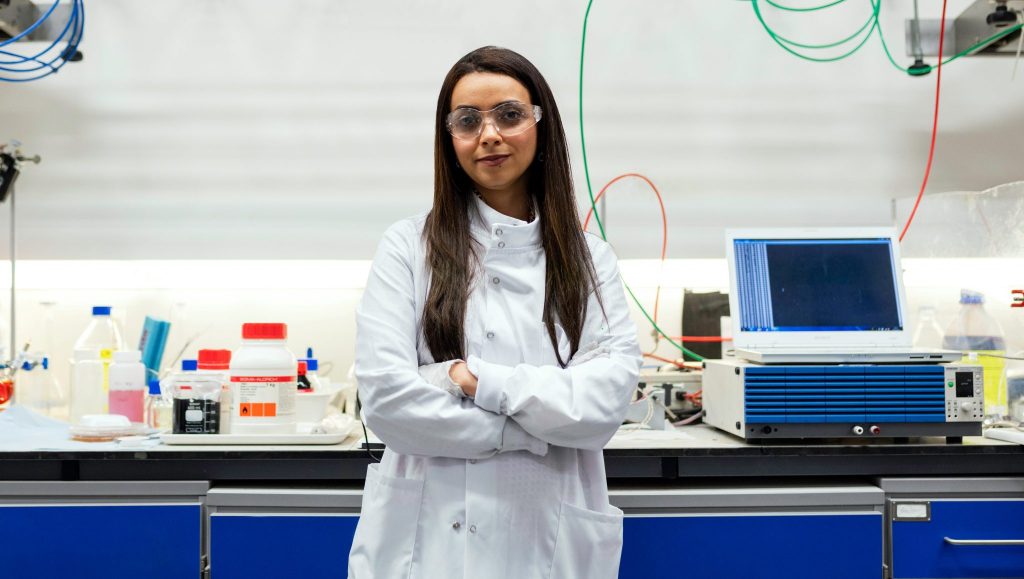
<point>570,275</point>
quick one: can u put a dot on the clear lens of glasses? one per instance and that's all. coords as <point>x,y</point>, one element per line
<point>508,119</point>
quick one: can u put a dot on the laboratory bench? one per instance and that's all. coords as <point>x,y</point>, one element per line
<point>692,452</point>
<point>698,503</point>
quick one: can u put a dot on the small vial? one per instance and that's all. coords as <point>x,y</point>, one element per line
<point>158,409</point>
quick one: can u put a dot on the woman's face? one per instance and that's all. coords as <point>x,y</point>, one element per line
<point>495,162</point>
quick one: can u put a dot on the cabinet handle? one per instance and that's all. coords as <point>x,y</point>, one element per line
<point>985,542</point>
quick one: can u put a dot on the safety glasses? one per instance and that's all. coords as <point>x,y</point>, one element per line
<point>511,118</point>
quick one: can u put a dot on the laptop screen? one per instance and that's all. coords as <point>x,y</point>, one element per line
<point>817,285</point>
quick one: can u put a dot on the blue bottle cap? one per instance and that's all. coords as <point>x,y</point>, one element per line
<point>189,365</point>
<point>154,387</point>
<point>46,363</point>
<point>101,310</point>
<point>312,364</point>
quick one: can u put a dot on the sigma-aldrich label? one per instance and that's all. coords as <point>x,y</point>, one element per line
<point>263,396</point>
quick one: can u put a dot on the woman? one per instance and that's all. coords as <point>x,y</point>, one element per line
<point>494,353</point>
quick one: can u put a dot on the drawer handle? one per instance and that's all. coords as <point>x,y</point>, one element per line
<point>986,542</point>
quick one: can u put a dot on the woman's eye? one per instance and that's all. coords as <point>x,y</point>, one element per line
<point>467,120</point>
<point>512,115</point>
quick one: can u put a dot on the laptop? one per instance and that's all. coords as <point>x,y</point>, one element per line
<point>823,295</point>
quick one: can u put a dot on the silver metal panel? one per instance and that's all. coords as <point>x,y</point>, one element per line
<point>326,498</point>
<point>765,498</point>
<point>948,485</point>
<point>930,37</point>
<point>966,30</point>
<point>112,489</point>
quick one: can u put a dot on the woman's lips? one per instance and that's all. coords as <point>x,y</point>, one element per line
<point>492,160</point>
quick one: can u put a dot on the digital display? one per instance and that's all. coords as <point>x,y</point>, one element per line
<point>965,384</point>
<point>822,285</point>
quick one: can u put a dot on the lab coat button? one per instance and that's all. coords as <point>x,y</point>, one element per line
<point>498,232</point>
<point>490,335</point>
<point>495,280</point>
<point>472,528</point>
<point>501,244</point>
<point>472,461</point>
<point>456,525</point>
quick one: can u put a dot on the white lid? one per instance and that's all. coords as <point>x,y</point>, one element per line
<point>105,421</point>
<point>98,426</point>
<point>127,356</point>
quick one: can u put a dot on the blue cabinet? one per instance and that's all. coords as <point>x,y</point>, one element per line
<point>265,532</point>
<point>790,546</point>
<point>102,541</point>
<point>751,532</point>
<point>254,546</point>
<point>101,531</point>
<point>978,538</point>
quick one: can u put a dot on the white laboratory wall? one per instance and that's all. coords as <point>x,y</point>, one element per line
<point>259,129</point>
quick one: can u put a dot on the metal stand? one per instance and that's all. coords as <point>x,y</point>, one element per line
<point>11,160</point>
<point>14,239</point>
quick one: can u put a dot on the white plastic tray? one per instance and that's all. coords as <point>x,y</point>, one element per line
<point>265,439</point>
<point>1005,434</point>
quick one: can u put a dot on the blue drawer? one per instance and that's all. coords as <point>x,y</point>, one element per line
<point>311,547</point>
<point>920,551</point>
<point>798,546</point>
<point>101,541</point>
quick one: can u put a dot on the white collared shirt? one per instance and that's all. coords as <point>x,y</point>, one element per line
<point>511,483</point>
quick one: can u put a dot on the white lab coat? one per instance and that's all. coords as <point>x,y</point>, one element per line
<point>511,484</point>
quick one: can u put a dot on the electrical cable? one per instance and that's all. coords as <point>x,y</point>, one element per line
<point>785,43</point>
<point>590,191</point>
<point>76,23</point>
<point>790,42</point>
<point>808,9</point>
<point>935,124</point>
<point>72,22</point>
<point>984,42</point>
<point>676,363</point>
<point>691,419</point>
<point>664,228</point>
<point>366,437</point>
<point>962,53</point>
<point>31,28</point>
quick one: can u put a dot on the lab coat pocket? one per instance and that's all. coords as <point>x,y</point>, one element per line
<point>386,533</point>
<point>588,544</point>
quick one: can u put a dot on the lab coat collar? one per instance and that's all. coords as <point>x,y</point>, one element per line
<point>495,230</point>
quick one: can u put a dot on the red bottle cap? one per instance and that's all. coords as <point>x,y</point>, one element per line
<point>302,368</point>
<point>214,359</point>
<point>264,331</point>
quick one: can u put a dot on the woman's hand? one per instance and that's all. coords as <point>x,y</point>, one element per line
<point>460,374</point>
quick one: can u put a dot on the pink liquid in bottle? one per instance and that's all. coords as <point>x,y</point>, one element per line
<point>127,403</point>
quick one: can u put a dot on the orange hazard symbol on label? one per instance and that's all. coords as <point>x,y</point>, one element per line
<point>257,409</point>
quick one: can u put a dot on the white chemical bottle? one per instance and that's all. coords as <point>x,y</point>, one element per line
<point>263,382</point>
<point>127,385</point>
<point>216,364</point>
<point>101,338</point>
